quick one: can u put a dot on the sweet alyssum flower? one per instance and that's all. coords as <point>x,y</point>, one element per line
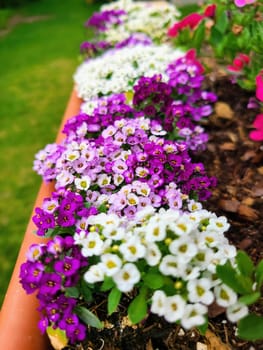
<point>129,167</point>
<point>118,69</point>
<point>117,21</point>
<point>49,275</point>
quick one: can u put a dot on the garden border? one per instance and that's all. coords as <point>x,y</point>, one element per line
<point>19,317</point>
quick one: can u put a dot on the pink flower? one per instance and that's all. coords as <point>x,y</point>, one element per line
<point>259,86</point>
<point>239,62</point>
<point>210,11</point>
<point>190,21</point>
<point>241,3</point>
<point>257,135</point>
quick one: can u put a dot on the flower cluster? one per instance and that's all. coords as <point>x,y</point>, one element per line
<point>51,269</point>
<point>117,70</point>
<point>119,20</point>
<point>64,211</point>
<point>169,256</point>
<point>178,104</point>
<point>129,167</point>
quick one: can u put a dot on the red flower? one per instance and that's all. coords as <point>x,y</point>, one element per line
<point>259,86</point>
<point>239,62</point>
<point>257,135</point>
<point>190,21</point>
<point>210,11</point>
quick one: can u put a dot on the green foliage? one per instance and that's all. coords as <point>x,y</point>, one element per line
<point>113,300</point>
<point>88,317</point>
<point>250,327</point>
<point>246,280</point>
<point>232,30</point>
<point>137,309</point>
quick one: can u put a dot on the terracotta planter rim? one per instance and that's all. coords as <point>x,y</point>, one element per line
<point>19,317</point>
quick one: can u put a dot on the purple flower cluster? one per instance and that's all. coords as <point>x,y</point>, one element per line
<point>63,211</point>
<point>178,104</point>
<point>134,39</point>
<point>50,270</point>
<point>128,167</point>
<point>102,20</point>
<point>107,110</point>
<point>91,49</point>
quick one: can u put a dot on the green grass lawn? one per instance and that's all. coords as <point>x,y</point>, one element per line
<point>37,61</point>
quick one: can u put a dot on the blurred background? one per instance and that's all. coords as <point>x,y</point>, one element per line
<point>39,52</point>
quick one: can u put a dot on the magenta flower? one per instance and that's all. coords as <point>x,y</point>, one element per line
<point>259,86</point>
<point>257,135</point>
<point>242,3</point>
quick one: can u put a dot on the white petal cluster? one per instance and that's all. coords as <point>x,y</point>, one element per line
<point>117,70</point>
<point>179,245</point>
<point>141,17</point>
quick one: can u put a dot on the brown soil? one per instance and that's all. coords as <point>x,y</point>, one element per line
<point>237,163</point>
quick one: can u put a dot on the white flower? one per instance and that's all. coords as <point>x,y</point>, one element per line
<point>225,296</point>
<point>194,206</point>
<point>127,277</point>
<point>79,237</point>
<point>104,180</point>
<point>182,226</point>
<point>133,249</point>
<point>183,248</point>
<point>218,224</point>
<point>82,183</point>
<point>64,178</point>
<point>114,232</point>
<point>118,179</point>
<point>92,245</point>
<point>153,254</point>
<point>170,265</point>
<point>94,274</point>
<point>72,155</point>
<point>199,291</point>
<point>174,308</point>
<point>193,315</point>
<point>158,303</point>
<point>155,231</point>
<point>111,264</point>
<point>236,312</point>
<point>91,77</point>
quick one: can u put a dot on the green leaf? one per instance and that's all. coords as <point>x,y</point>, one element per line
<point>222,22</point>
<point>137,310</point>
<point>88,317</point>
<point>107,284</point>
<point>250,328</point>
<point>103,208</point>
<point>259,273</point>
<point>57,337</point>
<point>203,328</point>
<point>249,299</point>
<point>228,275</point>
<point>113,300</point>
<point>244,263</point>
<point>199,36</point>
<point>86,291</point>
<point>72,292</point>
<point>153,280</point>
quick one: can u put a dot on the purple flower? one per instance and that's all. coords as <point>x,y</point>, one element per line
<point>50,284</point>
<point>68,266</point>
